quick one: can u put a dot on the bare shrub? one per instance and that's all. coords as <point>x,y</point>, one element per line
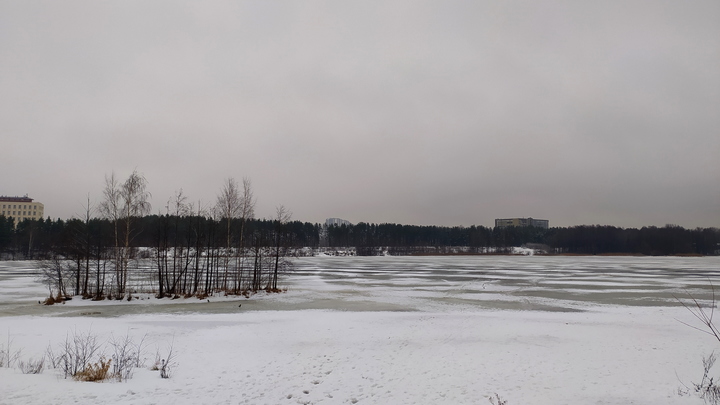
<point>82,356</point>
<point>497,400</point>
<point>157,362</point>
<point>76,353</point>
<point>126,355</point>
<point>168,364</point>
<point>8,356</point>
<point>139,351</point>
<point>32,366</point>
<point>123,357</point>
<point>708,389</point>
<point>50,355</point>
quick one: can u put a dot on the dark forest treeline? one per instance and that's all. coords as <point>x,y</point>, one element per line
<point>667,240</point>
<point>40,239</point>
<point>168,255</point>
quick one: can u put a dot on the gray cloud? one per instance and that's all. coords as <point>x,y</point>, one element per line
<point>450,113</point>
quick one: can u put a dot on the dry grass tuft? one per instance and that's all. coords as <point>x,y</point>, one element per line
<point>94,372</point>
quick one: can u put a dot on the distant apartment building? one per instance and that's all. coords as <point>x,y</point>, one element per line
<point>21,208</point>
<point>507,222</point>
<point>336,221</point>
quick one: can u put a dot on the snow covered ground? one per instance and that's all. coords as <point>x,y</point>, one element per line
<point>392,330</point>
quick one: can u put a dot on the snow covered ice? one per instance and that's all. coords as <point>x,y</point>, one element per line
<point>392,330</point>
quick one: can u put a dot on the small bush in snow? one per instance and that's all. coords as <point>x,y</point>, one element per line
<point>496,400</point>
<point>158,362</point>
<point>708,389</point>
<point>83,357</point>
<point>76,353</point>
<point>167,365</point>
<point>32,366</point>
<point>126,355</point>
<point>8,356</point>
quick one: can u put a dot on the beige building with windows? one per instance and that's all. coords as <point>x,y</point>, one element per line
<point>21,208</point>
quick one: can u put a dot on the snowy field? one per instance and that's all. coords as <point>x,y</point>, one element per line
<point>391,330</point>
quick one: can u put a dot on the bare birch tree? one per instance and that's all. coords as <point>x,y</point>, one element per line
<point>247,212</point>
<point>181,255</point>
<point>110,209</point>
<point>84,241</point>
<point>282,217</point>
<point>199,234</point>
<point>229,207</point>
<point>123,204</point>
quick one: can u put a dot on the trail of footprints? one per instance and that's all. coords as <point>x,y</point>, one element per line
<point>322,370</point>
<point>317,376</point>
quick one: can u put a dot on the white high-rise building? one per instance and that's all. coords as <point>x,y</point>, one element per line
<point>336,221</point>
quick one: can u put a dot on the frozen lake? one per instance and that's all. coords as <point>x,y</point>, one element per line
<point>396,330</point>
<point>439,283</point>
<point>505,282</point>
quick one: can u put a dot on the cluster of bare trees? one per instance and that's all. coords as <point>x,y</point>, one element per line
<point>189,262</point>
<point>195,249</point>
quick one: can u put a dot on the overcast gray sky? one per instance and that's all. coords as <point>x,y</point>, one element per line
<point>416,112</point>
